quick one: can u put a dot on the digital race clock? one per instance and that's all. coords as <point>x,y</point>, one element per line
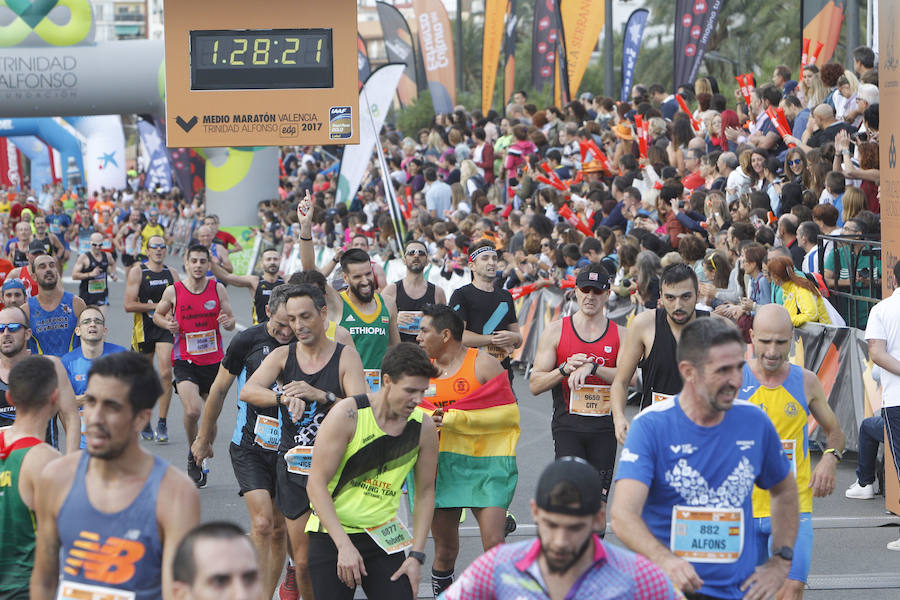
<point>261,59</point>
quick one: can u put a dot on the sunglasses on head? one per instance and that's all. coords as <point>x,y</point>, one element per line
<point>12,327</point>
<point>416,253</point>
<point>796,161</point>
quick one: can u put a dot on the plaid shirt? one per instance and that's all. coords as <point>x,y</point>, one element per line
<point>512,572</point>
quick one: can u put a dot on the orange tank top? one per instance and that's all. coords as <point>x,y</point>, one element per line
<point>443,392</point>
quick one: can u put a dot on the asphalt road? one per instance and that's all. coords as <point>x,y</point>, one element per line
<point>849,557</point>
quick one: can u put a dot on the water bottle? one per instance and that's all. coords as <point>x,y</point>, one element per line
<point>204,466</point>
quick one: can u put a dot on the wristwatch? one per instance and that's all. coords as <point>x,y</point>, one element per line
<point>330,397</point>
<point>419,556</point>
<point>562,371</point>
<point>837,453</point>
<point>785,552</point>
<point>278,396</point>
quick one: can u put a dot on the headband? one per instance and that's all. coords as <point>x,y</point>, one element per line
<point>480,251</point>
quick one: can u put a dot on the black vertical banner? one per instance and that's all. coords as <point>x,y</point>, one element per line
<point>398,45</point>
<point>543,44</point>
<point>563,93</point>
<point>694,24</point>
<point>509,51</point>
<point>362,60</point>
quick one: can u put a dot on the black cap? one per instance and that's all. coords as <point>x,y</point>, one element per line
<point>37,247</point>
<point>581,479</point>
<point>586,278</point>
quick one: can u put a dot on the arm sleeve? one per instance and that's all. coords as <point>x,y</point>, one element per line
<point>477,581</point>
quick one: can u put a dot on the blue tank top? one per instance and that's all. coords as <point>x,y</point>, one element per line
<point>53,332</point>
<point>120,551</point>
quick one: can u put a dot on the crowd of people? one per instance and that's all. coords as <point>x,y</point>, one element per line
<point>703,231</point>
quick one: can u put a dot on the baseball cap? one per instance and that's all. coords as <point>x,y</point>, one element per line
<point>599,281</point>
<point>586,96</point>
<point>13,284</point>
<point>789,87</point>
<point>37,247</point>
<point>644,213</point>
<point>576,476</point>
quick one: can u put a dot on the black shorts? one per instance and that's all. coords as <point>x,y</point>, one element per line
<point>254,468</point>
<point>202,375</point>
<point>598,448</point>
<point>376,583</point>
<point>129,259</point>
<point>154,335</point>
<point>290,491</point>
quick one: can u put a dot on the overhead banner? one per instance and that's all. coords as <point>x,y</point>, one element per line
<point>362,60</point>
<point>379,89</point>
<point>694,24</point>
<point>582,22</point>
<point>436,48</point>
<point>494,18</point>
<point>158,169</point>
<point>509,51</point>
<point>398,43</point>
<point>822,20</point>
<point>543,44</point>
<point>631,47</point>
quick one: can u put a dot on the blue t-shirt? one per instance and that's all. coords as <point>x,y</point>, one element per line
<point>77,367</point>
<point>685,464</point>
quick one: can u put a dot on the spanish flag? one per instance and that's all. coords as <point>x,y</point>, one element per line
<point>477,453</point>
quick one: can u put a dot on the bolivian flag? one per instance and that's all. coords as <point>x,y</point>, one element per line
<point>477,453</point>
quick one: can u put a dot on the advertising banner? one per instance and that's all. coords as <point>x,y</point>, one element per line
<point>509,51</point>
<point>494,18</point>
<point>436,49</point>
<point>398,44</point>
<point>362,60</point>
<point>694,23</point>
<point>631,47</point>
<point>582,22</point>
<point>822,20</point>
<point>543,44</point>
<point>158,169</point>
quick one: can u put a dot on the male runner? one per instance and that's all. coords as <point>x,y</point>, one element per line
<point>370,318</point>
<point>216,561</point>
<point>651,341</point>
<point>150,230</point>
<point>253,454</point>
<point>220,237</point>
<point>333,331</point>
<point>789,394</point>
<point>576,360</point>
<point>412,292</point>
<point>260,287</point>
<point>14,336</point>
<point>355,537</point>
<point>17,249</point>
<point>59,224</point>
<point>568,559</point>
<point>218,254</point>
<point>686,477</point>
<point>198,306</point>
<point>53,313</point>
<point>314,372</point>
<point>13,292</point>
<point>489,313</point>
<point>23,454</point>
<point>110,518</point>
<point>93,270</point>
<point>52,244</point>
<point>26,271</point>
<point>363,242</point>
<point>128,239</point>
<point>461,371</point>
<point>144,288</point>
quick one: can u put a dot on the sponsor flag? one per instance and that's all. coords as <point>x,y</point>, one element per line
<point>562,92</point>
<point>490,51</point>
<point>822,20</point>
<point>362,60</point>
<point>509,51</point>
<point>631,47</point>
<point>543,44</point>
<point>158,169</point>
<point>436,50</point>
<point>398,45</point>
<point>477,452</point>
<point>582,22</point>
<point>694,23</point>
<point>10,164</point>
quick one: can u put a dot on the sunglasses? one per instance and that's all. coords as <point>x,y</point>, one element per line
<point>796,161</point>
<point>94,321</point>
<point>592,290</point>
<point>416,253</point>
<point>12,327</point>
<point>156,246</point>
<point>733,207</point>
<point>96,245</point>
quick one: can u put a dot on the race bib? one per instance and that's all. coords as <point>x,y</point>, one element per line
<point>411,328</point>
<point>392,537</point>
<point>790,450</point>
<point>55,228</point>
<point>373,378</point>
<point>96,286</point>
<point>707,535</point>
<point>81,591</point>
<point>299,459</point>
<point>498,352</point>
<point>268,433</point>
<point>590,401</point>
<point>657,397</point>
<point>201,342</point>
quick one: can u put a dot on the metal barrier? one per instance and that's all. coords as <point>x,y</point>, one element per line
<point>854,295</point>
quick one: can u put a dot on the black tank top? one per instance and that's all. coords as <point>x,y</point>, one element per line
<point>88,296</point>
<point>659,370</point>
<point>404,302</point>
<point>48,246</point>
<point>151,289</point>
<point>328,379</point>
<point>261,299</point>
<point>19,258</point>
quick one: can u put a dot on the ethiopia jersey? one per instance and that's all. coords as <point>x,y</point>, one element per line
<point>199,339</point>
<point>370,333</point>
<point>787,408</point>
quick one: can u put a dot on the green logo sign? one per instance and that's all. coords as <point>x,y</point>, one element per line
<point>31,16</point>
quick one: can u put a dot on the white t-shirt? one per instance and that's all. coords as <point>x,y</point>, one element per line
<point>884,324</point>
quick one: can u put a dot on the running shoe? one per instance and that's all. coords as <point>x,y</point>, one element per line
<point>860,492</point>
<point>510,525</point>
<point>147,434</point>
<point>288,588</point>
<point>194,472</point>
<point>162,432</point>
<point>895,545</point>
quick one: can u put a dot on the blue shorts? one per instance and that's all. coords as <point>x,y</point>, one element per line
<point>802,547</point>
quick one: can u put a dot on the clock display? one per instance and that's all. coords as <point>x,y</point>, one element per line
<point>261,59</point>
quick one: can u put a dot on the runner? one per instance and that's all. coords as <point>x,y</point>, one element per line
<point>26,271</point>
<point>363,242</point>
<point>355,535</point>
<point>94,270</point>
<point>144,288</point>
<point>220,237</point>
<point>694,459</point>
<point>253,458</point>
<point>216,560</point>
<point>53,313</point>
<point>128,239</point>
<point>59,224</point>
<point>13,292</point>
<point>150,230</point>
<point>17,249</point>
<point>489,313</point>
<point>52,244</point>
<point>260,287</point>
<point>370,318</point>
<point>217,253</point>
<point>82,230</point>
<point>314,372</point>
<point>567,559</point>
<point>789,394</point>
<point>114,514</point>
<point>32,389</point>
<point>14,336</point>
<point>412,292</point>
<point>579,372</point>
<point>198,306</point>
<point>461,371</point>
<point>333,330</point>
<point>652,338</point>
